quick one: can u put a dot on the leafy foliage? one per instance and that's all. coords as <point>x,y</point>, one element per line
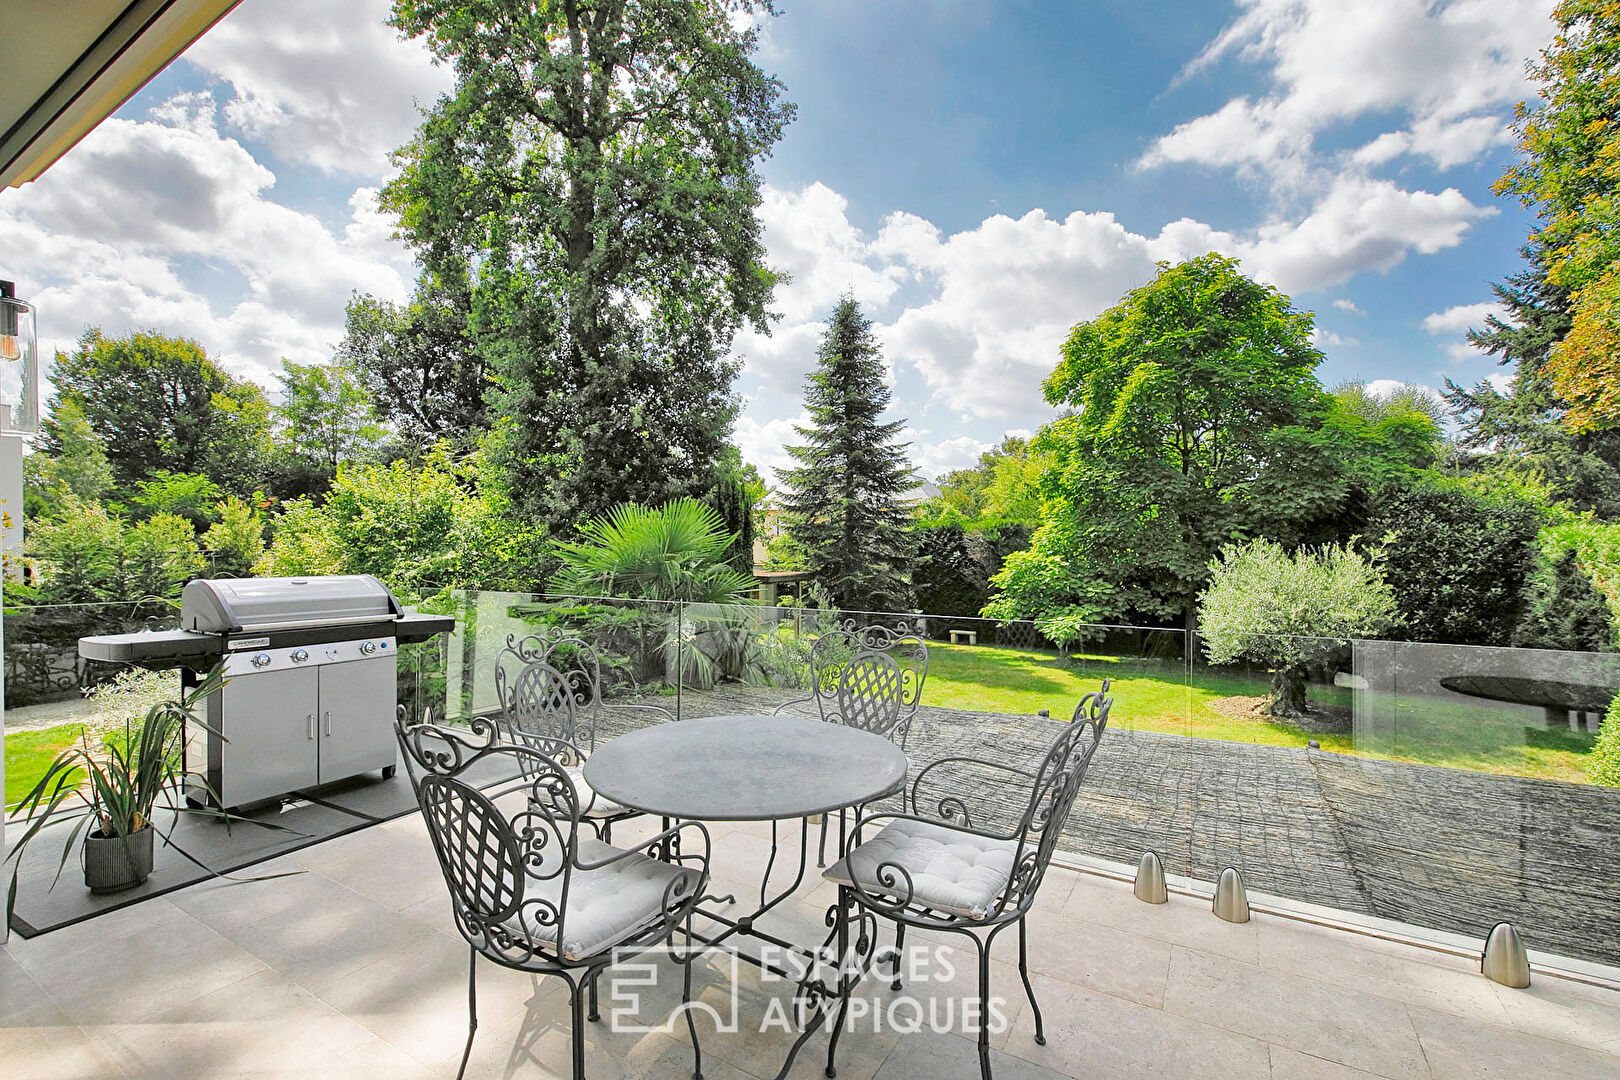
<point>418,528</point>
<point>1195,417</point>
<point>1290,612</point>
<point>86,554</point>
<point>156,403</point>
<point>1521,433</point>
<point>1002,489</point>
<point>845,504</point>
<point>188,495</point>
<point>1458,557</point>
<point>592,177</point>
<point>673,552</point>
<point>420,362</point>
<point>1563,609</point>
<point>1569,171</point>
<point>326,416</point>
<point>1603,763</point>
<point>78,466</point>
<point>235,542</point>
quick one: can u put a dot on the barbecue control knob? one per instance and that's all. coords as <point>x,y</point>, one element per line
<point>261,659</point>
<point>368,647</point>
<point>300,655</point>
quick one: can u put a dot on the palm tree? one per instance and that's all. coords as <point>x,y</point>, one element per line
<point>672,552</point>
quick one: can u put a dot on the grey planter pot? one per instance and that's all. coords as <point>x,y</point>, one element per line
<point>108,867</point>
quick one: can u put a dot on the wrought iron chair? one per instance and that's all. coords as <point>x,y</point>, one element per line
<point>940,872</point>
<point>528,891</point>
<point>869,677</point>
<point>549,686</point>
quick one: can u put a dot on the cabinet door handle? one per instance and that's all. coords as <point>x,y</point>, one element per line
<point>329,723</point>
<point>311,719</point>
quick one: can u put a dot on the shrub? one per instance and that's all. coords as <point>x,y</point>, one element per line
<point>1458,559</point>
<point>1603,763</point>
<point>1290,612</point>
<point>86,554</point>
<point>673,552</point>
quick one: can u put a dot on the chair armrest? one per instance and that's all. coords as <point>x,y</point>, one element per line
<point>952,807</point>
<point>795,701</point>
<point>656,843</point>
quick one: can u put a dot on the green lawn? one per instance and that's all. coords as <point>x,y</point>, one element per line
<point>1153,695</point>
<point>30,753</point>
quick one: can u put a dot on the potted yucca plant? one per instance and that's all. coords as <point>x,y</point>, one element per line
<point>112,791</point>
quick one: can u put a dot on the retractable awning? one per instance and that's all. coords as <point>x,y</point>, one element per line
<point>68,66</point>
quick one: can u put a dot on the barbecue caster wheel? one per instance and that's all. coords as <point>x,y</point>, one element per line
<point>388,771</point>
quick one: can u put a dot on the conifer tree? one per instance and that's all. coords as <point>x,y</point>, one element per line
<point>846,502</point>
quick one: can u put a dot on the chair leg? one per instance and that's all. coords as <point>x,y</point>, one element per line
<point>472,1009</point>
<point>899,952</point>
<point>576,1007</point>
<point>843,991</point>
<point>686,1001</point>
<point>1023,971</point>
<point>984,1006</point>
<point>607,831</point>
<point>595,1015</point>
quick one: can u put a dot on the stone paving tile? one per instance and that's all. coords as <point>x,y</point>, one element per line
<point>1092,1036</point>
<point>265,1021</point>
<point>1459,1050</point>
<point>1365,1032</point>
<point>42,1042</point>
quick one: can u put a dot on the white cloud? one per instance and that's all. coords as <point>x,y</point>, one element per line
<point>322,84</point>
<point>986,309</point>
<point>1328,339</point>
<point>1461,318</point>
<point>763,443</point>
<point>935,459</point>
<point>166,223</point>
<point>810,237</point>
<point>1349,306</point>
<point>1450,71</point>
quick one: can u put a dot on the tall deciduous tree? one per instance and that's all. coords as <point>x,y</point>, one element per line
<point>157,402</point>
<point>1569,171</point>
<point>426,376</point>
<point>326,414</point>
<point>593,175</point>
<point>1195,418</point>
<point>846,502</point>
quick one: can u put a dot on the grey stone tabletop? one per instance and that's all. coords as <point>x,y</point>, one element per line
<point>745,768</point>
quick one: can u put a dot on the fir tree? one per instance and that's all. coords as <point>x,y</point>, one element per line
<point>846,498</point>
<point>1523,431</point>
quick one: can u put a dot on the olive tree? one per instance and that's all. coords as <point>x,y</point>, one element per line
<point>1290,611</point>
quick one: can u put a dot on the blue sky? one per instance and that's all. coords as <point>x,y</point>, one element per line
<point>981,176</point>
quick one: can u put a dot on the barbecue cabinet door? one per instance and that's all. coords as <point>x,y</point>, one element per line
<point>270,745</point>
<point>358,701</point>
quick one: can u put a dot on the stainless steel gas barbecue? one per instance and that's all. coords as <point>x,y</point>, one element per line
<point>310,696</point>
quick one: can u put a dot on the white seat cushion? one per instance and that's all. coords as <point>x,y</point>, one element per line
<point>951,871</point>
<point>605,906</point>
<point>592,804</point>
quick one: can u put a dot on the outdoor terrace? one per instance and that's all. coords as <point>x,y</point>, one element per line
<point>353,969</point>
<point>1373,880</point>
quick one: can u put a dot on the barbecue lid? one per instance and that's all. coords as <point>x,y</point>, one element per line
<point>233,605</point>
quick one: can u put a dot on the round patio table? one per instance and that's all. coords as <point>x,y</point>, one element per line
<point>759,768</point>
<point>745,768</point>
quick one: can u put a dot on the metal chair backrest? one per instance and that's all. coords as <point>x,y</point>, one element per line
<point>489,857</point>
<point>578,668</point>
<point>869,693</point>
<point>836,651</point>
<point>1057,783</point>
<point>542,704</point>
